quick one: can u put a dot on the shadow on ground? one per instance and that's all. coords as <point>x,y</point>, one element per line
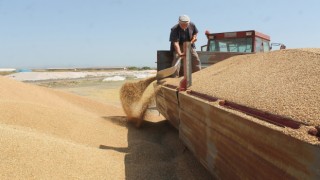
<point>155,152</point>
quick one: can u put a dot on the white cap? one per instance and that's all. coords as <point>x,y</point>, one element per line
<point>184,18</point>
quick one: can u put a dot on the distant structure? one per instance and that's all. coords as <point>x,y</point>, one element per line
<point>7,69</point>
<point>84,69</point>
<point>24,70</point>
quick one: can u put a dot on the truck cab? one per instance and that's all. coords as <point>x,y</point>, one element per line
<point>241,41</point>
<point>221,46</point>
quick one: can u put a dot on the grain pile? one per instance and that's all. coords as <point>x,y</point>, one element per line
<point>134,101</point>
<point>47,134</point>
<point>285,82</point>
<point>50,134</point>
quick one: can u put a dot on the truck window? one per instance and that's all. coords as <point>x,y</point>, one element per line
<point>231,45</point>
<point>223,47</point>
<point>262,45</point>
<point>212,46</point>
<point>266,46</point>
<point>259,45</point>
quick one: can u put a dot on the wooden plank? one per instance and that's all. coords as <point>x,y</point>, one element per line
<point>168,107</point>
<point>217,150</point>
<point>258,147</point>
<point>164,59</point>
<point>210,58</point>
<point>170,94</point>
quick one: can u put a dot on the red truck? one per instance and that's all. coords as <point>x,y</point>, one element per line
<point>223,45</point>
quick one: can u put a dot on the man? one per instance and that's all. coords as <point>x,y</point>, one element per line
<point>180,33</point>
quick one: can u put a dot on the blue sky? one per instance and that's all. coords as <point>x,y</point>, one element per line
<point>82,33</point>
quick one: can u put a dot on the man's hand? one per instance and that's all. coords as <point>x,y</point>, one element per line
<point>193,40</point>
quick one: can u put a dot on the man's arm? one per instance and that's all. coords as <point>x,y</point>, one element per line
<point>177,48</point>
<point>195,33</point>
<point>194,38</point>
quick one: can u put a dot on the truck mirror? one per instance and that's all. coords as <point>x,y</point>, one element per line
<point>204,48</point>
<point>282,46</point>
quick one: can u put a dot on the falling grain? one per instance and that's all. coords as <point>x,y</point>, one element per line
<point>134,100</point>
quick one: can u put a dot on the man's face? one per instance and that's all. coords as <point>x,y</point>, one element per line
<point>183,25</point>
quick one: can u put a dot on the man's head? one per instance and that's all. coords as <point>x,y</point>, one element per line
<point>184,21</point>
